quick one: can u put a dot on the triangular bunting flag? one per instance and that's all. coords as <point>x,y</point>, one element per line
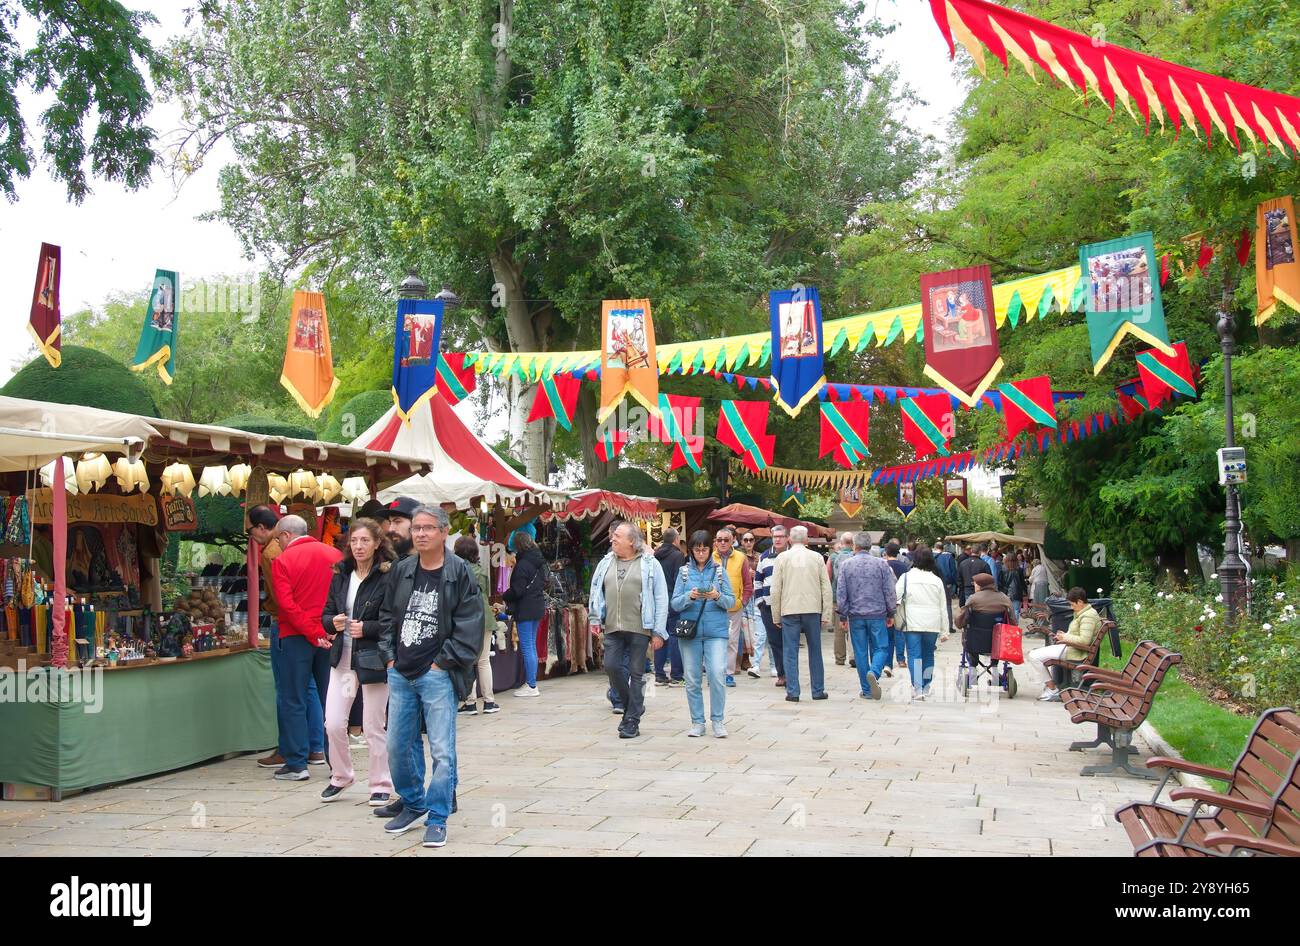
<point>677,422</point>
<point>556,397</point>
<point>742,426</point>
<point>844,430</point>
<point>1161,374</point>
<point>456,379</point>
<point>1027,404</point>
<point>609,443</point>
<point>928,423</point>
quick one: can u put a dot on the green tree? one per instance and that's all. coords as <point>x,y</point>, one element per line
<point>94,57</point>
<point>542,156</point>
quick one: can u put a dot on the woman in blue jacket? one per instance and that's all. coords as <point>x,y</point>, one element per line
<point>703,592</point>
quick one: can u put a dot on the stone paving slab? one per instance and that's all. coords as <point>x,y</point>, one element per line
<point>550,778</point>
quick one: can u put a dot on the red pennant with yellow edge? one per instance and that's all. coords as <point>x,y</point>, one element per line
<point>308,372</point>
<point>627,355</point>
<point>1277,273</point>
<point>45,322</point>
<point>961,336</point>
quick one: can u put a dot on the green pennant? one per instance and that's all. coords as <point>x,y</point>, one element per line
<point>765,355</point>
<point>675,366</point>
<point>697,364</point>
<point>841,337</point>
<point>1045,302</point>
<point>1014,307</point>
<point>894,331</point>
<point>743,357</point>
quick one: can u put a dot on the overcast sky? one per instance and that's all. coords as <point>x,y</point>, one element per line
<point>115,239</point>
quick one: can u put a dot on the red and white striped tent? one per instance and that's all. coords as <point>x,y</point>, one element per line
<point>465,469</point>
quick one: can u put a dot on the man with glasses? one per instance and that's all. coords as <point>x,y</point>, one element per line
<point>742,580</point>
<point>431,631</point>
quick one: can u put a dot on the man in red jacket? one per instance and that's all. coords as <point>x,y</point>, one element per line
<point>301,575</point>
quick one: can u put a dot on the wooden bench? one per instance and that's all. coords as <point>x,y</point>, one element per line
<point>1071,671</point>
<point>1040,622</point>
<point>1118,706</point>
<point>1258,812</point>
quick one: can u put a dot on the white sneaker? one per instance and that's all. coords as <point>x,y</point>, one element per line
<point>1049,696</point>
<point>696,730</point>
<point>774,673</point>
<point>719,731</point>
<point>527,691</point>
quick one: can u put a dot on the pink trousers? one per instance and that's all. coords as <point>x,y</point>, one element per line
<point>338,704</point>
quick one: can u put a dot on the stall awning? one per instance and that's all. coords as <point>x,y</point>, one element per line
<point>999,537</point>
<point>462,468</point>
<point>587,504</point>
<point>744,515</point>
<point>32,433</point>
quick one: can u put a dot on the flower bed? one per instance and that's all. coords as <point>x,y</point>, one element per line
<point>1254,667</point>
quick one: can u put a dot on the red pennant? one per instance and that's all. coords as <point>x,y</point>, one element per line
<point>753,417</point>
<point>566,387</point>
<point>466,377</point>
<point>1154,388</point>
<point>856,415</point>
<point>1039,391</point>
<point>685,414</point>
<point>1243,247</point>
<point>937,408</point>
<point>1164,270</point>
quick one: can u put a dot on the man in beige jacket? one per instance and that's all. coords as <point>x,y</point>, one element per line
<point>802,603</point>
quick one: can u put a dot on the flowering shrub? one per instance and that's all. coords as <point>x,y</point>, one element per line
<point>1257,663</point>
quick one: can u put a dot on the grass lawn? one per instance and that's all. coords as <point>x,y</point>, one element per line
<point>1200,730</point>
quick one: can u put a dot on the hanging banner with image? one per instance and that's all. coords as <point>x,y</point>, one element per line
<point>797,371</point>
<point>851,500</point>
<point>1122,296</point>
<point>1277,273</point>
<point>45,322</point>
<point>308,372</point>
<point>627,355</point>
<point>415,353</point>
<point>906,499</point>
<point>961,339</point>
<point>792,493</point>
<point>157,344</point>
<point>954,493</point>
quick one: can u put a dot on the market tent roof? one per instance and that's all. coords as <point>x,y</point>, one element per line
<point>589,503</point>
<point>32,433</point>
<point>462,468</point>
<point>741,514</point>
<point>1000,537</point>
<point>167,440</point>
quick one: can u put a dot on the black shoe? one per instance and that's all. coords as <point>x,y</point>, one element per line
<point>332,792</point>
<point>391,810</point>
<point>792,699</point>
<point>454,807</point>
<point>404,822</point>
<point>286,774</point>
<point>618,711</point>
<point>629,732</point>
<point>378,800</point>
<point>469,709</point>
<point>489,708</point>
<point>661,681</point>
<point>821,696</point>
<point>852,662</point>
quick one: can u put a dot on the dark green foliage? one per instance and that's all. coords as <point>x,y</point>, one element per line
<point>350,419</point>
<point>256,424</point>
<point>85,377</point>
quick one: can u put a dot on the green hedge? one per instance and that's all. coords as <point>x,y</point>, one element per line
<point>85,377</point>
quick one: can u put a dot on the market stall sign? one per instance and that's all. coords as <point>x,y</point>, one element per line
<point>137,508</point>
<point>178,513</point>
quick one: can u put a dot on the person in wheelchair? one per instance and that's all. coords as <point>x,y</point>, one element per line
<point>1072,644</point>
<point>984,609</point>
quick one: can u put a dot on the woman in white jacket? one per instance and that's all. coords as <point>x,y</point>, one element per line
<point>923,613</point>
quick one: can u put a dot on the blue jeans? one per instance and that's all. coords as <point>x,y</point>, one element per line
<point>773,636</point>
<point>871,640</point>
<point>670,654</point>
<point>705,654</point>
<point>315,717</point>
<point>1015,612</point>
<point>300,710</point>
<point>898,646</point>
<point>433,697</point>
<point>760,634</point>
<point>527,631</point>
<point>810,626</point>
<point>920,647</point>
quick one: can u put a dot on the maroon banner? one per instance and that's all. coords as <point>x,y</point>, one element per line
<point>961,338</point>
<point>45,322</point>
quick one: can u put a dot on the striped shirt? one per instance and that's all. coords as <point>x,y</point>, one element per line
<point>763,577</point>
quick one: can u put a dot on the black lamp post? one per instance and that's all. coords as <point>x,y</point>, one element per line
<point>448,298</point>
<point>1232,570</point>
<point>412,287</point>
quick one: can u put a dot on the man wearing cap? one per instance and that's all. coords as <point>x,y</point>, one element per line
<point>262,523</point>
<point>398,526</point>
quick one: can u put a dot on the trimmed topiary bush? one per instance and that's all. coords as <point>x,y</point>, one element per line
<point>365,408</point>
<point>256,424</point>
<point>88,378</point>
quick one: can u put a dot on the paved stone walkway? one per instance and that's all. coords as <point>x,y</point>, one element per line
<point>549,777</point>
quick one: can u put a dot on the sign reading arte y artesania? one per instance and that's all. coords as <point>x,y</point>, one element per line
<point>137,508</point>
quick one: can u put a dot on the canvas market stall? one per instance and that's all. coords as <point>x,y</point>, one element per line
<point>130,684</point>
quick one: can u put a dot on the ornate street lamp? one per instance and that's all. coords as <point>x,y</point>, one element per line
<point>412,287</point>
<point>1232,570</point>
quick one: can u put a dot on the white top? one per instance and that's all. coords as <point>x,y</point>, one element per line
<point>922,602</point>
<point>354,582</point>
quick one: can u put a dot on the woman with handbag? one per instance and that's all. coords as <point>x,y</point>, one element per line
<point>351,616</point>
<point>701,599</point>
<point>923,615</point>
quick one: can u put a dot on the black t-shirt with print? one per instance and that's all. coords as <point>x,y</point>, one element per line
<point>417,639</point>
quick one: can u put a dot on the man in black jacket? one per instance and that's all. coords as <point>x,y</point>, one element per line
<point>431,630</point>
<point>967,569</point>
<point>671,559</point>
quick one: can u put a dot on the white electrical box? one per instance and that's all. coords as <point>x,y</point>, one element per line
<point>1232,465</point>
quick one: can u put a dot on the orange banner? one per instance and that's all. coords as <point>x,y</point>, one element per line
<point>627,355</point>
<point>308,372</point>
<point>1277,273</point>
